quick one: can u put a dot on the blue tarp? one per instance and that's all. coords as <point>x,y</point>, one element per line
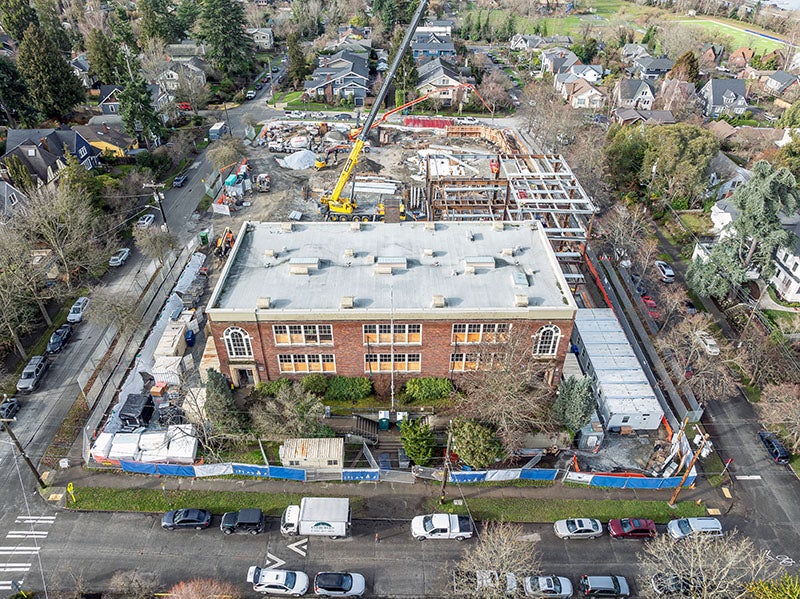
<point>138,467</point>
<point>538,474</point>
<point>467,477</point>
<point>614,482</point>
<point>175,470</point>
<point>248,470</point>
<point>361,475</point>
<point>646,483</point>
<point>287,473</point>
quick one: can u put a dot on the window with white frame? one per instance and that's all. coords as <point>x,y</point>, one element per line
<point>480,332</point>
<point>386,333</point>
<point>303,334</point>
<point>388,362</point>
<point>465,362</point>
<point>545,342</point>
<point>237,342</point>
<point>306,363</point>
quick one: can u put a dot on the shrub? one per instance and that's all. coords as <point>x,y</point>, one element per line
<point>344,389</point>
<point>315,383</point>
<point>271,388</point>
<point>418,441</point>
<point>428,389</point>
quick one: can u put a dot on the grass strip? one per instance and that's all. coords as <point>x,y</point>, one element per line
<point>154,500</point>
<point>550,510</point>
<point>67,433</point>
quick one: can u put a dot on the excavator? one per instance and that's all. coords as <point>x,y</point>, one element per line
<point>333,204</point>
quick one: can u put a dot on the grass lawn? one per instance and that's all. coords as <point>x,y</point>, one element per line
<point>550,510</point>
<point>204,203</point>
<point>697,223</point>
<point>155,500</point>
<point>795,464</point>
<point>734,30</point>
<point>292,96</point>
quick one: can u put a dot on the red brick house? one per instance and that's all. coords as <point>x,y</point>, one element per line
<point>358,299</point>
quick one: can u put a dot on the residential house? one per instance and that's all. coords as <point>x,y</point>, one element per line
<point>10,197</point>
<point>560,40</point>
<point>263,38</point>
<point>637,94</point>
<point>582,94</point>
<point>632,52</point>
<point>776,56</point>
<point>108,101</point>
<point>710,56</point>
<point>649,67</point>
<point>526,43</point>
<point>724,176</point>
<point>186,49</point>
<point>174,73</point>
<point>437,26</point>
<point>439,75</point>
<point>352,32</point>
<point>109,140</point>
<point>786,279</point>
<point>740,58</point>
<point>758,75</point>
<point>425,46</point>
<point>588,72</point>
<point>159,100</point>
<point>724,96</point>
<point>343,75</point>
<point>630,116</point>
<point>558,60</point>
<point>383,60</point>
<point>780,83</point>
<point>80,66</point>
<point>58,142</point>
<point>361,47</point>
<point>42,166</point>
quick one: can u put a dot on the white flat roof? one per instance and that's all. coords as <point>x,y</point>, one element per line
<point>479,268</point>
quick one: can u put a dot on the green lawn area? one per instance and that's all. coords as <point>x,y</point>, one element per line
<point>697,222</point>
<point>733,31</point>
<point>795,464</point>
<point>550,510</point>
<point>155,500</point>
<point>292,96</point>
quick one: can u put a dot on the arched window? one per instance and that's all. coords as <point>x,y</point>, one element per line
<point>545,342</point>
<point>237,342</point>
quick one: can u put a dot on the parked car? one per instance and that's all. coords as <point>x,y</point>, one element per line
<point>547,586</point>
<point>120,257</point>
<point>776,449</point>
<point>32,374</point>
<point>274,69</point>
<point>145,221</point>
<point>339,584</point>
<point>245,520</point>
<point>258,86</point>
<point>250,95</point>
<point>649,302</point>
<point>673,584</point>
<point>266,79</point>
<point>343,117</point>
<point>186,518</point>
<point>8,409</point>
<point>665,271</point>
<point>687,527</point>
<point>58,339</point>
<point>631,528</point>
<point>466,120</point>
<point>578,528</point>
<point>180,180</point>
<point>708,343</point>
<point>77,310</point>
<point>489,582</point>
<point>604,586</point>
<point>278,582</point>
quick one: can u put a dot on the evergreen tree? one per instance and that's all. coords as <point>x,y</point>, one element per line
<point>121,30</point>
<point>574,405</point>
<point>221,23</point>
<point>418,441</point>
<point>52,86</point>
<point>297,68</point>
<point>16,16</point>
<point>405,79</point>
<point>188,10</point>
<point>466,27</point>
<point>137,112</point>
<point>509,28</point>
<point>50,21</point>
<point>158,19</point>
<point>486,29</point>
<point>475,443</point>
<point>222,414</point>
<point>686,68</point>
<point>14,101</point>
<point>388,14</point>
<point>649,38</point>
<point>104,57</point>
<point>18,173</point>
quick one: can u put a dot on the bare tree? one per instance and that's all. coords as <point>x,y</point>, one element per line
<point>293,412</point>
<point>111,307</point>
<point>680,98</point>
<point>671,302</point>
<point>154,242</point>
<point>505,387</point>
<point>779,409</point>
<point>225,152</point>
<point>133,584</point>
<point>718,568</point>
<point>675,37</point>
<point>501,546</point>
<point>587,158</point>
<point>764,357</point>
<point>255,15</point>
<point>152,57</point>
<point>192,90</point>
<point>546,115</point>
<point>26,274</point>
<point>204,588</point>
<point>624,229</point>
<point>494,89</point>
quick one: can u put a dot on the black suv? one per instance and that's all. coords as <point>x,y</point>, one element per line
<point>774,446</point>
<point>246,520</point>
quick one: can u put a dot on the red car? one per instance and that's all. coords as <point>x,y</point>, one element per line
<point>631,528</point>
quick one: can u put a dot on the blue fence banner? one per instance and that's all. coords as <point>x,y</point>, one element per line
<point>467,477</point>
<point>361,475</point>
<point>538,474</point>
<point>138,467</point>
<point>647,483</point>
<point>614,482</point>
<point>175,470</point>
<point>287,473</point>
<point>249,470</point>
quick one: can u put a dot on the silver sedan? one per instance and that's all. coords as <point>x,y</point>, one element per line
<point>578,528</point>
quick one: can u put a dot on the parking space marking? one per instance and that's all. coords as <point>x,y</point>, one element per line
<point>748,477</point>
<point>271,558</point>
<point>300,547</point>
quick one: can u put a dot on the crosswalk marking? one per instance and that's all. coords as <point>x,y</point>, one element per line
<point>26,534</point>
<point>748,477</point>
<point>11,567</point>
<point>19,550</point>
<point>35,519</point>
<point>7,585</point>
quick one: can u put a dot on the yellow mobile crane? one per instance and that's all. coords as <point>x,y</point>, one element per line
<point>343,208</point>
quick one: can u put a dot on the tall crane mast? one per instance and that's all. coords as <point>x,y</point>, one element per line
<point>334,198</point>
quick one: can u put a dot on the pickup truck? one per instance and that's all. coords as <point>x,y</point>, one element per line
<point>442,526</point>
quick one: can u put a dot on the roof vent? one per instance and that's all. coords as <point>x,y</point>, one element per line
<point>305,262</point>
<point>393,261</point>
<point>298,270</point>
<point>438,301</point>
<point>31,152</point>
<point>520,279</point>
<point>382,269</point>
<point>507,252</point>
<point>427,252</point>
<point>498,225</point>
<point>520,300</point>
<point>349,253</point>
<point>469,270</point>
<point>430,226</point>
<point>348,302</point>
<point>470,236</point>
<point>355,226</point>
<point>479,262</point>
<point>269,253</point>
<point>287,227</point>
<point>263,303</point>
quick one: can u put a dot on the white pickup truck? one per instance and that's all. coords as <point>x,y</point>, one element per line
<point>442,526</point>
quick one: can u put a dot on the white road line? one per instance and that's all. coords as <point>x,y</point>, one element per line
<point>748,477</point>
<point>7,585</point>
<point>271,558</point>
<point>19,550</point>
<point>32,519</point>
<point>14,567</point>
<point>26,534</point>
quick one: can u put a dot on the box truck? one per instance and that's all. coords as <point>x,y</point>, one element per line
<point>317,516</point>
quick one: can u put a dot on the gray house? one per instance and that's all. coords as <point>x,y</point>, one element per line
<point>648,67</point>
<point>58,142</point>
<point>638,94</point>
<point>724,96</point>
<point>10,197</point>
<point>340,76</point>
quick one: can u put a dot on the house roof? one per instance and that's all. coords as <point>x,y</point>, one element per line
<point>634,50</point>
<point>352,65</point>
<point>744,53</point>
<point>630,88</point>
<point>559,39</point>
<point>52,140</point>
<point>36,160</point>
<point>106,91</point>
<point>722,130</point>
<point>435,69</point>
<point>560,58</point>
<point>783,79</point>
<point>6,191</point>
<point>660,117</point>
<point>719,88</point>
<point>717,49</point>
<point>530,41</point>
<point>583,69</point>
<point>650,63</point>
<point>105,134</point>
<point>81,63</point>
<point>581,87</point>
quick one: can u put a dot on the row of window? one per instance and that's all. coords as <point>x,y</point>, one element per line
<point>238,343</point>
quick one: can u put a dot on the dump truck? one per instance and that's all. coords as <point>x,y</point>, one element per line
<point>317,516</point>
<point>442,526</point>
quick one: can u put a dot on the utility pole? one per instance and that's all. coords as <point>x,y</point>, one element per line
<point>446,469</point>
<point>158,196</point>
<point>696,455</point>
<point>7,425</point>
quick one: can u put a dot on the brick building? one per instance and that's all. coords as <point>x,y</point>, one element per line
<point>363,299</point>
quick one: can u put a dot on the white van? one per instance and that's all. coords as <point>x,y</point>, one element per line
<point>77,310</point>
<point>687,527</point>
